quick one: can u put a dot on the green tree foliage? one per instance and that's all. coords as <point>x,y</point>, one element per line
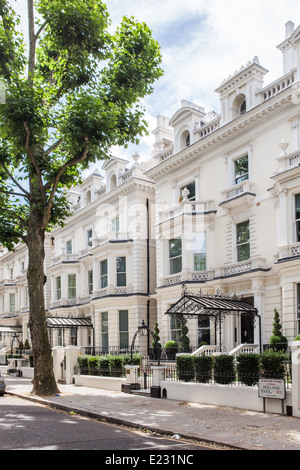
<point>76,93</point>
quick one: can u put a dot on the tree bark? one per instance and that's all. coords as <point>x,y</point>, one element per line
<point>44,381</point>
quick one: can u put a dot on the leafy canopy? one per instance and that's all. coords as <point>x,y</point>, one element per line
<point>72,96</point>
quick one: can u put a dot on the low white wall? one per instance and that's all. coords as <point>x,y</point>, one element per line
<point>105,383</point>
<point>224,395</point>
<point>27,372</point>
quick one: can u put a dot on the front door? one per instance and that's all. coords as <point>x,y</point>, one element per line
<point>247,324</point>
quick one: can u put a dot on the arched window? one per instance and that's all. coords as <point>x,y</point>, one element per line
<point>113,182</point>
<point>239,106</point>
<point>243,108</point>
<point>185,140</point>
<point>88,197</point>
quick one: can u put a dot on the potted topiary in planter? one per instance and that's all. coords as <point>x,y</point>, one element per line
<point>277,340</point>
<point>171,348</point>
<point>156,346</point>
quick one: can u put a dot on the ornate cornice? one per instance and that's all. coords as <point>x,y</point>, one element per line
<point>224,134</point>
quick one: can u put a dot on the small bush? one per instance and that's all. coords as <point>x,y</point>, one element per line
<point>273,364</point>
<point>203,368</point>
<point>185,368</point>
<point>248,366</point>
<point>116,366</point>
<point>83,364</point>
<point>224,371</point>
<point>104,366</point>
<point>93,365</point>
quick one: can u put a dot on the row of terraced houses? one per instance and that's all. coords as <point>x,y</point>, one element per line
<point>215,209</point>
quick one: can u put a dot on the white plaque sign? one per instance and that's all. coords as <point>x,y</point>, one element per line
<point>268,388</point>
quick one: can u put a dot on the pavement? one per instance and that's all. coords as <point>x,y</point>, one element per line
<point>225,427</point>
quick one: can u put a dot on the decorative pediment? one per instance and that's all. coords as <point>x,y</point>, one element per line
<point>295,38</point>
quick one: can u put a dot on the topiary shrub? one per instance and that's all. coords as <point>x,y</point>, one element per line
<point>171,348</point>
<point>248,368</point>
<point>277,340</point>
<point>224,370</point>
<point>185,368</point>
<point>203,368</point>
<point>184,340</point>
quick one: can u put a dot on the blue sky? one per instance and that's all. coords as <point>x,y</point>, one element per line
<point>202,43</point>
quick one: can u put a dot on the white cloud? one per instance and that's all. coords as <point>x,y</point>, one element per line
<point>203,43</point>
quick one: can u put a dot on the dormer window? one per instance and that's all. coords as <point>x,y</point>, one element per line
<point>188,140</point>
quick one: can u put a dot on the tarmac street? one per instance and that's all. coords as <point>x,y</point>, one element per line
<point>239,429</point>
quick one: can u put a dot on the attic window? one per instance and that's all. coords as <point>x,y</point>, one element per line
<point>188,140</point>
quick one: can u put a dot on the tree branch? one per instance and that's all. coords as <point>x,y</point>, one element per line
<point>54,146</point>
<point>14,180</point>
<point>33,161</point>
<point>74,161</point>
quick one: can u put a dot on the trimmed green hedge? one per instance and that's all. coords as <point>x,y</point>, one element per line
<point>248,368</point>
<point>106,366</point>
<point>203,368</point>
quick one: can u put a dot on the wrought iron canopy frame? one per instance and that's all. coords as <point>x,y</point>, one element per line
<point>217,308</point>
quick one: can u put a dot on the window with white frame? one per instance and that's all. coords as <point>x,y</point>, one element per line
<point>89,236</point>
<point>71,286</point>
<point>191,187</point>
<point>103,274</point>
<point>241,169</point>
<point>199,252</point>
<point>104,331</point>
<point>58,288</point>
<point>123,330</point>
<point>297,217</point>
<point>90,281</point>
<point>121,271</point>
<point>12,303</point>
<point>175,329</point>
<point>243,241</point>
<point>69,247</point>
<point>115,226</point>
<point>175,255</point>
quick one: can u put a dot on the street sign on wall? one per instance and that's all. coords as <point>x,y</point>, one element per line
<point>272,388</point>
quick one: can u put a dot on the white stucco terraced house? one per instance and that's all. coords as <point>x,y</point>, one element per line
<point>215,208</point>
<point>228,203</point>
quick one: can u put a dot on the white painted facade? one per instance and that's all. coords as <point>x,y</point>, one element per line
<point>236,228</point>
<point>223,192</point>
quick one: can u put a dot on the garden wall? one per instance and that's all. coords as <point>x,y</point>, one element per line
<point>105,383</point>
<point>223,395</point>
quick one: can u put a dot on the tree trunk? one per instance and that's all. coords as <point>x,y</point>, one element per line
<point>44,382</point>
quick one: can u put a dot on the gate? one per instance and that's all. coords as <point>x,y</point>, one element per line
<point>144,378</point>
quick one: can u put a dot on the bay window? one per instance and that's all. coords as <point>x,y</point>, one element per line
<point>121,271</point>
<point>175,255</point>
<point>243,241</point>
<point>72,286</point>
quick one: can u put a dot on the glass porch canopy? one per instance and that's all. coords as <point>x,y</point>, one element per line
<point>68,322</point>
<point>217,307</point>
